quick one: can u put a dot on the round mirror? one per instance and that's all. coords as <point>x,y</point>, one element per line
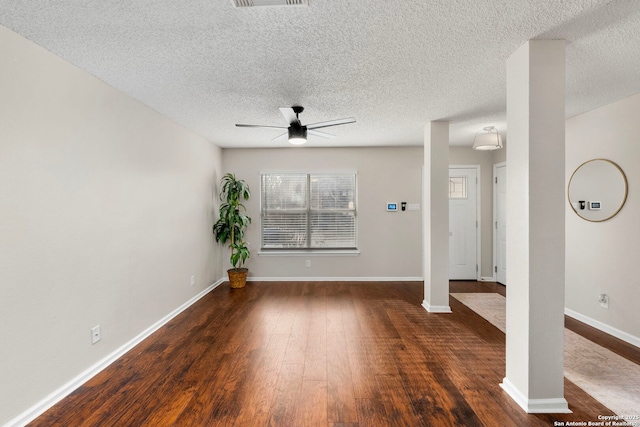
<point>597,190</point>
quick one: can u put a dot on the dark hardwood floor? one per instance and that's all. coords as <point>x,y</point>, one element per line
<point>313,354</point>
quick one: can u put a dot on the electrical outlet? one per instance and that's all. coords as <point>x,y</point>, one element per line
<point>95,334</point>
<point>308,264</point>
<point>603,299</point>
<point>193,280</point>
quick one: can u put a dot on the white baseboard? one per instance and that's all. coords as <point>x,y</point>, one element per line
<point>488,279</point>
<point>436,308</point>
<point>59,394</point>
<point>624,336</point>
<point>333,279</point>
<point>536,406</point>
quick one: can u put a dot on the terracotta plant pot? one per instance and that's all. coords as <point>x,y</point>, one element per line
<point>238,277</point>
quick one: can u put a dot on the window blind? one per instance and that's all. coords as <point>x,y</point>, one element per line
<point>308,211</point>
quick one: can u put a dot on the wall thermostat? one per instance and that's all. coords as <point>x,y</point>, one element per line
<point>392,207</point>
<point>595,206</point>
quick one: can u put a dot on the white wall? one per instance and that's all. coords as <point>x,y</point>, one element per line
<point>105,213</point>
<point>378,169</point>
<point>390,243</point>
<point>603,257</point>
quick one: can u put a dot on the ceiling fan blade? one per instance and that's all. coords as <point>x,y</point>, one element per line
<point>280,136</point>
<point>318,133</point>
<point>331,123</point>
<point>260,126</point>
<point>289,114</point>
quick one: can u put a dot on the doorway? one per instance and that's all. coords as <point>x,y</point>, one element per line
<point>463,223</point>
<point>500,222</point>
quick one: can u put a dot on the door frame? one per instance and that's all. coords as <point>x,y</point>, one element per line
<point>495,220</point>
<point>478,215</point>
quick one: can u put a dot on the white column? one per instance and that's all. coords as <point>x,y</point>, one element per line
<point>535,226</point>
<point>435,223</point>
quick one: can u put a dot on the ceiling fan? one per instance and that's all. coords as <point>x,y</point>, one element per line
<point>296,131</point>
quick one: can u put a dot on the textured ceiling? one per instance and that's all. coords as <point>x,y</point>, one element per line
<point>393,65</point>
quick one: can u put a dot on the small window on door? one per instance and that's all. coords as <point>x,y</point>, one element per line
<point>457,187</point>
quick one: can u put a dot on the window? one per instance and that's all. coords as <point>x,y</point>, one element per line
<point>308,211</point>
<point>457,187</point>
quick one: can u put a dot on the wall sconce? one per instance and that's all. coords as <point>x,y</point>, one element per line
<point>488,139</point>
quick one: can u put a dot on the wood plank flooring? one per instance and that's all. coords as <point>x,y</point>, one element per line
<point>313,354</point>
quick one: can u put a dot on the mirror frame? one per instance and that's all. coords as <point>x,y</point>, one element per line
<point>624,198</point>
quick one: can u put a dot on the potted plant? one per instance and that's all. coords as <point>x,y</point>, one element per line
<point>232,224</point>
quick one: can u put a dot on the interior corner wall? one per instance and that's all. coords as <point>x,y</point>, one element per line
<point>106,213</point>
<point>602,257</point>
<point>469,156</point>
<point>390,243</point>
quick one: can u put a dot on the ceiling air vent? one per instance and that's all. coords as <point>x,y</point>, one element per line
<point>254,3</point>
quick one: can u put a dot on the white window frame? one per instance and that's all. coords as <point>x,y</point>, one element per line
<point>306,251</point>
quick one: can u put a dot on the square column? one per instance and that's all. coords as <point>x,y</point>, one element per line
<point>535,227</point>
<point>435,220</point>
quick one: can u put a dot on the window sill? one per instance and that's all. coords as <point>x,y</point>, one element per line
<point>310,252</point>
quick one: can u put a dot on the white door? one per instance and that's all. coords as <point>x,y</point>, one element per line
<point>500,222</point>
<point>463,241</point>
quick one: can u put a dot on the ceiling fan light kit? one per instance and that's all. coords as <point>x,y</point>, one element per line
<point>297,135</point>
<point>296,132</point>
<point>487,139</point>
